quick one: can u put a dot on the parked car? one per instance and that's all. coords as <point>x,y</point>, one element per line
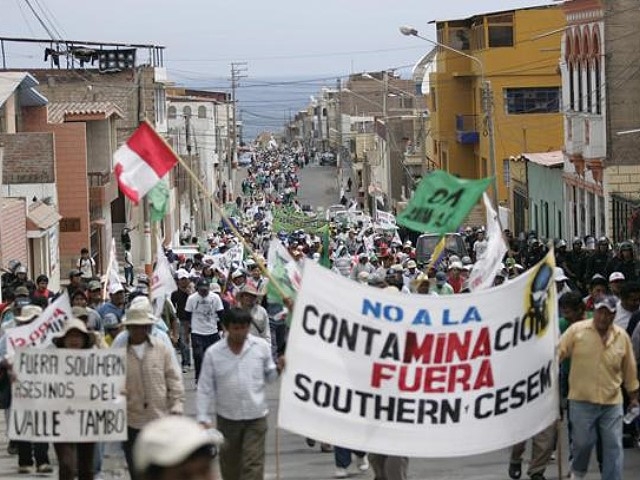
<point>426,244</point>
<point>329,159</point>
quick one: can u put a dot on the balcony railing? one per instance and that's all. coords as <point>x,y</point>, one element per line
<point>467,130</point>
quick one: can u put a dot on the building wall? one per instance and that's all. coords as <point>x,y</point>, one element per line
<point>14,231</point>
<point>28,158</point>
<point>456,89</point>
<point>546,201</point>
<point>99,146</point>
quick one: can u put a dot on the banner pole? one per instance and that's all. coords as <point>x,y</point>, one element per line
<point>108,272</point>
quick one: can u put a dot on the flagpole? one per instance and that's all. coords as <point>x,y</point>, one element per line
<point>108,273</point>
<point>220,211</point>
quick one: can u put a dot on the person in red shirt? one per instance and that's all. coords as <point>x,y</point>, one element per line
<point>42,290</point>
<point>455,279</point>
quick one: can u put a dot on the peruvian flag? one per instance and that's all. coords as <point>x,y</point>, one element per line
<point>142,161</point>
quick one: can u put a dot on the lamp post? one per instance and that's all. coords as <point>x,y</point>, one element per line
<point>487,97</point>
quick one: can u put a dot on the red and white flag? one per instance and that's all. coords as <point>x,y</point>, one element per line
<point>142,161</point>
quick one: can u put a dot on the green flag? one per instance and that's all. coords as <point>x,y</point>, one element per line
<point>441,203</point>
<point>158,201</point>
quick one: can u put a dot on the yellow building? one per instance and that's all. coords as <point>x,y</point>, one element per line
<point>517,52</point>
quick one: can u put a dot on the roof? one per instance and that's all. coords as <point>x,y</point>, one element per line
<point>42,216</point>
<point>546,159</point>
<point>60,112</point>
<point>25,84</point>
<point>498,12</point>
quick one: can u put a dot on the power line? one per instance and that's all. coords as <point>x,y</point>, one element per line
<point>42,22</point>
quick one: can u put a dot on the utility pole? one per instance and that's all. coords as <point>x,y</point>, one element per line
<point>487,104</point>
<point>192,202</point>
<point>386,154</point>
<point>238,71</point>
<point>339,124</point>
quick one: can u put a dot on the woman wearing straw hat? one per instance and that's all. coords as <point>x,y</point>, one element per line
<point>75,457</point>
<point>154,382</point>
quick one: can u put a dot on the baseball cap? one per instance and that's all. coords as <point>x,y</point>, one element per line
<point>215,287</point>
<point>21,291</point>
<point>182,273</point>
<point>441,278</point>
<point>411,264</point>
<point>616,277</point>
<point>169,441</point>
<point>237,274</point>
<point>558,275</point>
<point>202,283</point>
<point>94,285</point>
<point>79,312</point>
<point>598,279</point>
<point>609,302</point>
<point>115,288</point>
<point>249,289</point>
<point>75,273</point>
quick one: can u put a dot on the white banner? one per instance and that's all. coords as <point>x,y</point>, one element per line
<point>162,282</point>
<point>62,395</point>
<point>485,269</point>
<point>38,333</point>
<point>419,376</point>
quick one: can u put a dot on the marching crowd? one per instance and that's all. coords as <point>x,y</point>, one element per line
<point>222,322</point>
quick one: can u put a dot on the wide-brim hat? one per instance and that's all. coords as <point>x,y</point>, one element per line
<point>28,313</point>
<point>137,317</point>
<point>74,324</point>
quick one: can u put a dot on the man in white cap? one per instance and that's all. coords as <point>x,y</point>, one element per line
<point>601,361</point>
<point>116,302</point>
<point>154,383</point>
<point>203,310</point>
<point>248,300</point>
<point>176,448</point>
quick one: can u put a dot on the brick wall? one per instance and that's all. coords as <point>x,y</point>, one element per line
<point>70,146</point>
<point>14,230</point>
<point>28,158</point>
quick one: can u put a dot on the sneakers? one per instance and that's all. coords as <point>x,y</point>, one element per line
<point>363,463</point>
<point>341,473</point>
<point>44,468</point>
<point>25,470</point>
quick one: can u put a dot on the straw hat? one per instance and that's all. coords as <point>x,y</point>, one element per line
<point>28,313</point>
<point>73,324</point>
<point>137,317</point>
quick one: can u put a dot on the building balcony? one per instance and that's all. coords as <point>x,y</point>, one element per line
<point>595,142</point>
<point>103,189</point>
<point>466,129</point>
<point>574,142</point>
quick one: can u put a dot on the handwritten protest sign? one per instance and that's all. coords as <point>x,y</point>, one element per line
<point>441,202</point>
<point>284,270</point>
<point>38,333</point>
<point>412,375</point>
<point>64,395</point>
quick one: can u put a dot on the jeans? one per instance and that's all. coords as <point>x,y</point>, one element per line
<point>28,451</point>
<point>128,275</point>
<point>199,345</point>
<point>342,456</point>
<point>587,420</point>
<point>75,457</point>
<point>278,337</point>
<point>127,446</point>
<point>184,343</point>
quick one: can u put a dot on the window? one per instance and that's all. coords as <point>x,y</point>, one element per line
<point>506,172</point>
<point>202,111</point>
<point>172,113</point>
<point>578,99</point>
<point>532,100</point>
<point>589,98</point>
<point>459,38</point>
<point>160,103</point>
<point>598,92</point>
<point>572,93</point>
<point>186,111</point>
<point>500,30</point>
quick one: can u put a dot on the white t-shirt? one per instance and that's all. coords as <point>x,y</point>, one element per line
<point>480,248</point>
<point>204,313</point>
<point>86,267</point>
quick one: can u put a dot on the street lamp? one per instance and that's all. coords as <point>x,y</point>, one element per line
<point>486,97</point>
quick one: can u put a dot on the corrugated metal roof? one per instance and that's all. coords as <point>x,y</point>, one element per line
<point>58,111</point>
<point>546,159</point>
<point>24,83</point>
<point>43,216</point>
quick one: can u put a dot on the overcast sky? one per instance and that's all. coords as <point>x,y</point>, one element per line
<point>278,39</point>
